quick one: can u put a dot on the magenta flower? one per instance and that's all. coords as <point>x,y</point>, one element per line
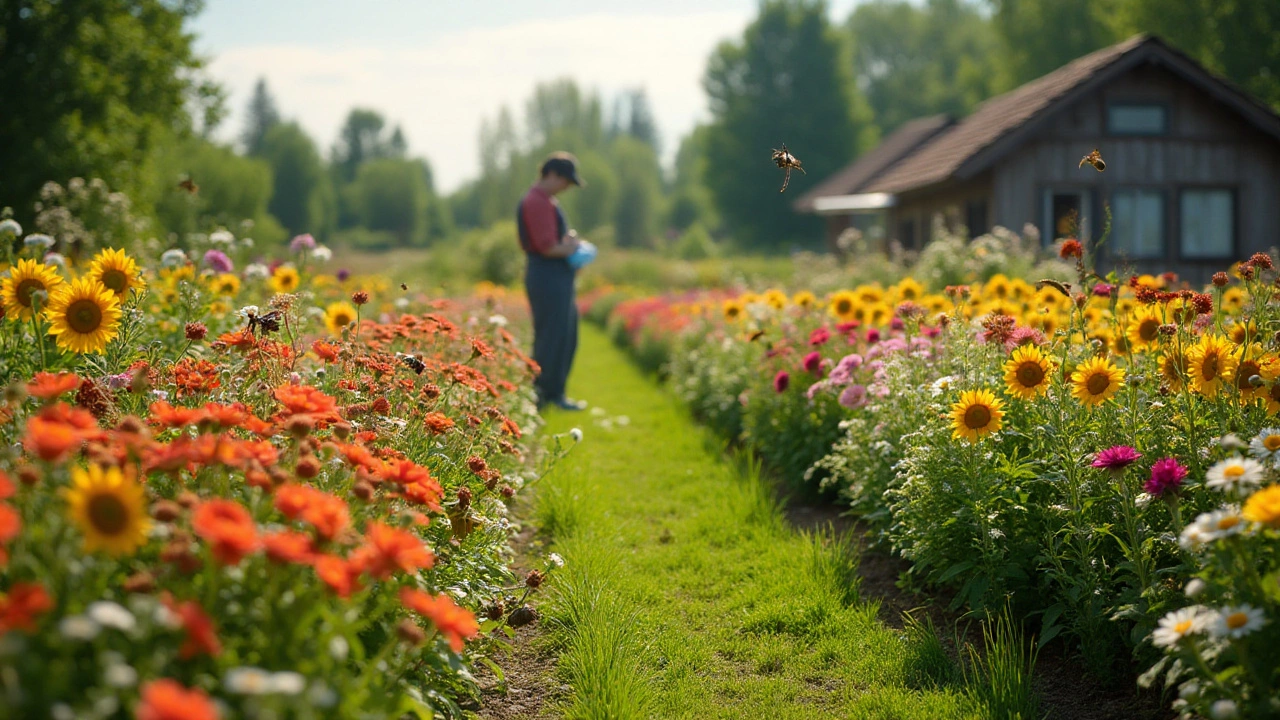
<point>1166,477</point>
<point>217,261</point>
<point>819,336</point>
<point>873,335</point>
<point>813,363</point>
<point>1116,458</point>
<point>781,381</point>
<point>1103,289</point>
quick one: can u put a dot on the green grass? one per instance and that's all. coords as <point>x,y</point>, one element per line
<point>686,594</point>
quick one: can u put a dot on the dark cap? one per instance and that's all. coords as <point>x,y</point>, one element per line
<point>563,164</point>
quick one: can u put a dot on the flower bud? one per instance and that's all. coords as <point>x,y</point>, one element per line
<point>360,297</point>
<point>1220,279</point>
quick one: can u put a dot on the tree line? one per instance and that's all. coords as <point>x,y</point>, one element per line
<point>128,101</point>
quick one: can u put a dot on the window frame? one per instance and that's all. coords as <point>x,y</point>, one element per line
<point>1233,250</point>
<point>1113,251</point>
<point>1165,109</point>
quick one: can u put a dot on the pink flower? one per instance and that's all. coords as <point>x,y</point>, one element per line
<point>1023,335</point>
<point>781,381</point>
<point>1166,477</point>
<point>218,261</point>
<point>819,336</point>
<point>896,324</point>
<point>813,363</point>
<point>1116,458</point>
<point>854,396</point>
<point>873,335</point>
<point>302,242</point>
<point>1103,289</point>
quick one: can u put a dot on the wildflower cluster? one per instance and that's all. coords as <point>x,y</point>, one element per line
<point>1082,450</point>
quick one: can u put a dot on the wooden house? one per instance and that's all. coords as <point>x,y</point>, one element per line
<point>1192,178</point>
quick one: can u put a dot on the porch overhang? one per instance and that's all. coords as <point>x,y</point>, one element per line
<point>861,203</point>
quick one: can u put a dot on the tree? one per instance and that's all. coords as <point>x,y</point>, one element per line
<point>561,112</point>
<point>912,60</point>
<point>261,116</point>
<point>300,189</point>
<point>232,188</point>
<point>691,201</point>
<point>392,195</point>
<point>89,91</point>
<point>359,141</point>
<point>789,80</point>
<point>1040,36</point>
<point>637,210</point>
<point>633,115</point>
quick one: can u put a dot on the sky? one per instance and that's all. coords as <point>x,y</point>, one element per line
<point>438,67</point>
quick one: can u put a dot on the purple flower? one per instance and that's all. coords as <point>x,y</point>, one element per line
<point>217,261</point>
<point>813,363</point>
<point>343,274</point>
<point>1166,477</point>
<point>781,381</point>
<point>854,396</point>
<point>302,242</point>
<point>1115,458</point>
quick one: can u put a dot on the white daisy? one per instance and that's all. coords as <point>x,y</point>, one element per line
<point>1236,622</point>
<point>1266,444</point>
<point>1234,474</point>
<point>1218,524</point>
<point>248,681</point>
<point>1224,710</point>
<point>173,258</point>
<point>112,615</point>
<point>1177,625</point>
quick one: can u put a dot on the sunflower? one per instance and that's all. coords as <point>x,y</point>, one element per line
<point>775,299</point>
<point>339,315</point>
<point>908,289</point>
<point>1243,332</point>
<point>869,294</point>
<point>285,279</point>
<point>1026,373</point>
<point>1144,329</point>
<point>879,314</point>
<point>118,272</point>
<point>1259,363</point>
<point>804,299</point>
<point>1096,380</point>
<point>226,285</point>
<point>997,288</point>
<point>83,316</point>
<point>843,305</point>
<point>733,310</point>
<point>110,509</point>
<point>1174,367</point>
<point>977,413</point>
<point>1233,300</point>
<point>1181,310</point>
<point>25,278</point>
<point>1211,365</point>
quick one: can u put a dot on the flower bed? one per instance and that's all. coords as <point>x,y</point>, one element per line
<point>293,510</point>
<point>1100,455</point>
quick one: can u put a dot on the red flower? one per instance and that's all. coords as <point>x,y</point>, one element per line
<point>454,623</point>
<point>167,699</point>
<point>819,336</point>
<point>48,386</point>
<point>781,381</point>
<point>201,635</point>
<point>10,523</point>
<point>388,549</point>
<point>19,609</point>
<point>1071,248</point>
<point>228,527</point>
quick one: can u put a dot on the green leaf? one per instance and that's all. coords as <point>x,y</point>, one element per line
<point>955,570</point>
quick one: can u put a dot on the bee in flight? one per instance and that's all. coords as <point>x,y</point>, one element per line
<point>404,287</point>
<point>1095,159</point>
<point>269,322</point>
<point>785,160</point>
<point>415,364</point>
<point>189,185</point>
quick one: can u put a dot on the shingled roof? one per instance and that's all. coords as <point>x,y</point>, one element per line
<point>957,151</point>
<point>857,174</point>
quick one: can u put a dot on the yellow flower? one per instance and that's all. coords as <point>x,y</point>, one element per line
<point>1233,299</point>
<point>1096,380</point>
<point>1026,373</point>
<point>226,284</point>
<point>909,289</point>
<point>869,294</point>
<point>285,279</point>
<point>1259,363</point>
<point>844,305</point>
<point>1173,369</point>
<point>804,299</point>
<point>1264,507</point>
<point>118,272</point>
<point>1244,332</point>
<point>879,314</point>
<point>110,509</point>
<point>775,299</point>
<point>1144,329</point>
<point>339,315</point>
<point>1212,365</point>
<point>25,278</point>
<point>84,316</point>
<point>997,288</point>
<point>733,310</point>
<point>977,413</point>
<point>749,299</point>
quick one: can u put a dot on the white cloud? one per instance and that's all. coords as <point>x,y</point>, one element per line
<point>439,92</point>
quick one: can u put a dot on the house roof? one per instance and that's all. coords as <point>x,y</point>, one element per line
<point>965,148</point>
<point>857,174</point>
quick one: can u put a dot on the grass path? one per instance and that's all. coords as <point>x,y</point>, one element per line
<point>685,593</point>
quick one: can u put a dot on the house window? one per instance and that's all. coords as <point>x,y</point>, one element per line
<point>975,217</point>
<point>1208,224</point>
<point>1137,119</point>
<point>1137,223</point>
<point>907,233</point>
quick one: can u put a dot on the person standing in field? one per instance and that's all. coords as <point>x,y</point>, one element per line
<point>548,242</point>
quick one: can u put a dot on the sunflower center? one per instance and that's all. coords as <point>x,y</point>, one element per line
<point>1271,442</point>
<point>1247,370</point>
<point>1183,627</point>
<point>1148,329</point>
<point>116,281</point>
<point>26,289</point>
<point>108,514</point>
<point>1098,383</point>
<point>977,417</point>
<point>1030,374</point>
<point>843,307</point>
<point>1237,620</point>
<point>341,319</point>
<point>84,316</point>
<point>1209,369</point>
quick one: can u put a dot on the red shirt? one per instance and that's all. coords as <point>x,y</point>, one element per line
<point>540,221</point>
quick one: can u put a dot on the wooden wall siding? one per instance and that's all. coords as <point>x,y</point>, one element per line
<point>949,202</point>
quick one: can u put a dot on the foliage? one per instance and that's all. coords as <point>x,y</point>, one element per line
<point>392,195</point>
<point>260,117</point>
<point>84,216</point>
<point>301,194</point>
<point>230,188</point>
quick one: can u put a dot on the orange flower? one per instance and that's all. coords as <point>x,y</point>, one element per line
<point>259,427</point>
<point>162,413</point>
<point>167,699</point>
<point>359,456</point>
<point>239,340</point>
<point>388,549</point>
<point>511,428</point>
<point>227,416</point>
<point>196,376</point>
<point>287,546</point>
<point>300,399</point>
<point>10,523</point>
<point>48,386</point>
<point>58,430</point>
<point>342,577</point>
<point>20,608</point>
<point>325,351</point>
<point>291,500</point>
<point>438,422</point>
<point>201,635</point>
<point>228,527</point>
<point>454,623</point>
<point>328,514</point>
